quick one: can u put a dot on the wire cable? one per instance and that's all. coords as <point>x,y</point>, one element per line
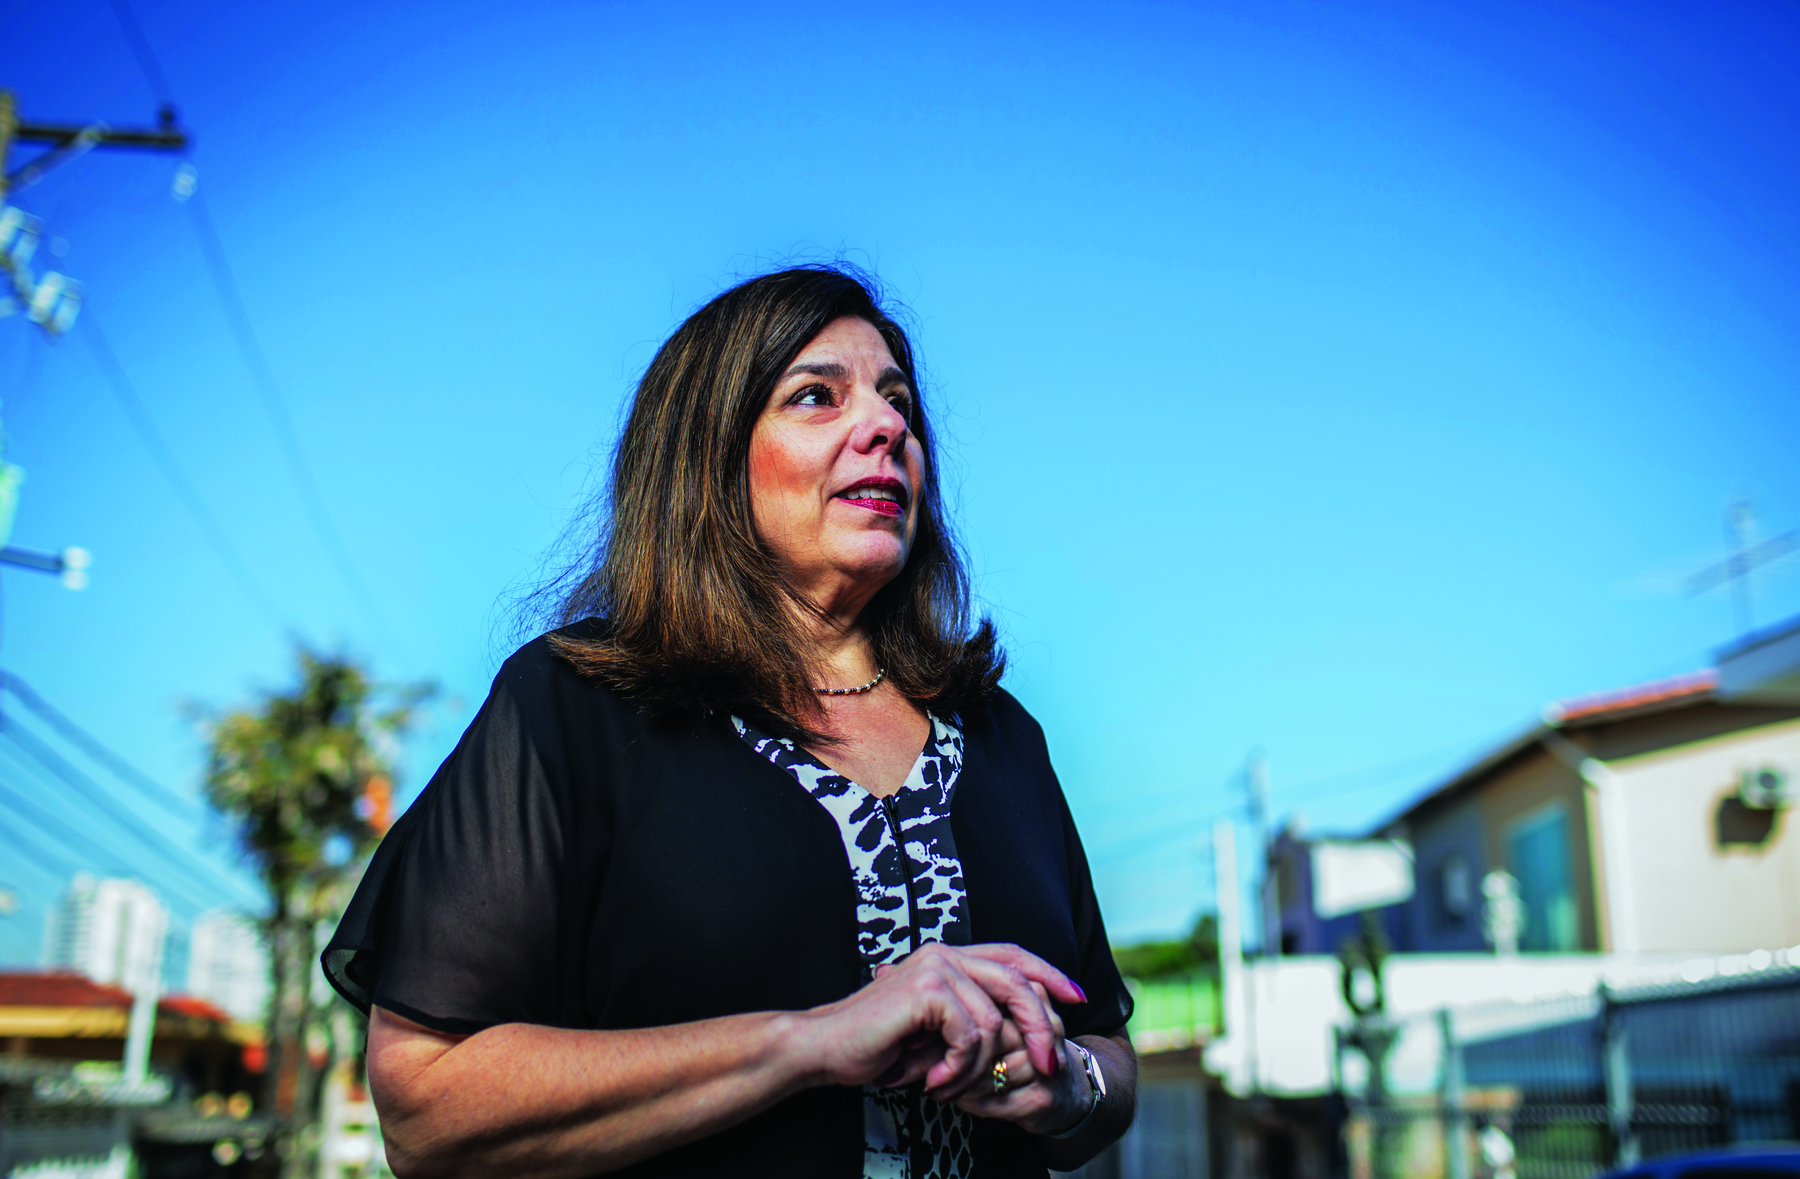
<point>68,836</point>
<point>140,49</point>
<point>97,797</point>
<point>32,371</point>
<point>81,842</point>
<point>75,735</point>
<point>237,317</point>
<point>275,405</point>
<point>53,865</point>
<point>189,495</point>
<point>1145,840</point>
<point>1308,791</point>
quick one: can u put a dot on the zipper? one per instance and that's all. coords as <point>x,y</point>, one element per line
<point>912,910</point>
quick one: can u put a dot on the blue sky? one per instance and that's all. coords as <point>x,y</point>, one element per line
<point>1346,380</point>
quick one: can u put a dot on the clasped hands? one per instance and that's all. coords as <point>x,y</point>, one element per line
<point>946,1015</point>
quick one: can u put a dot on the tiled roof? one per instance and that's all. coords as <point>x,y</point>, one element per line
<point>59,990</point>
<point>1587,708</point>
<point>194,1007</point>
<point>1566,714</point>
<point>34,989</point>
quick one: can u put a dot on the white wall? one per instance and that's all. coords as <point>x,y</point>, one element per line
<point>1285,1045</point>
<point>1686,894</point>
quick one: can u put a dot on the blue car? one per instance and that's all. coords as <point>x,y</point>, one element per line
<point>1768,1160</point>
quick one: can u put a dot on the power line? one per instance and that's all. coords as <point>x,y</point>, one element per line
<point>36,350</point>
<point>80,841</point>
<point>140,49</point>
<point>276,406</point>
<point>1143,841</point>
<point>75,735</point>
<point>1300,792</point>
<point>185,491</point>
<point>52,864</point>
<point>46,821</point>
<point>105,803</point>
<point>97,796</point>
<point>237,317</point>
<point>1402,766</point>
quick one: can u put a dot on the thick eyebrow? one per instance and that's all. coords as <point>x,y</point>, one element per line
<point>830,371</point>
<point>833,371</point>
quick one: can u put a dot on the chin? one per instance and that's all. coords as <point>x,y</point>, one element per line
<point>872,559</point>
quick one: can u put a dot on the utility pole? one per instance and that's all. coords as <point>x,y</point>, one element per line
<point>1256,789</point>
<point>69,566</point>
<point>53,301</point>
<point>1240,1031</point>
<point>69,140</point>
<point>1256,785</point>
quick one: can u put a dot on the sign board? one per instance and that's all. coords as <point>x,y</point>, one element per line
<point>1350,876</point>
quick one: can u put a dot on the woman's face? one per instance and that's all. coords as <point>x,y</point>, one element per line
<point>835,473</point>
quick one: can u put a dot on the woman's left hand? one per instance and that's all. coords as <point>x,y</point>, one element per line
<point>1032,1101</point>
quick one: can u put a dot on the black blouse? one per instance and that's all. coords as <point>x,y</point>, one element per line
<point>577,863</point>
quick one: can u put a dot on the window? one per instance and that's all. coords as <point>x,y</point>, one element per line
<point>1537,852</point>
<point>1456,889</point>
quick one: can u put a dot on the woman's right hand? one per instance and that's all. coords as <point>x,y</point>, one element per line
<point>938,1016</point>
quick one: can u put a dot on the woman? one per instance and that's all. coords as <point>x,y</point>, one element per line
<point>688,899</point>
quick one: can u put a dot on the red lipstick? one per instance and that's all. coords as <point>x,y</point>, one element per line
<point>881,494</point>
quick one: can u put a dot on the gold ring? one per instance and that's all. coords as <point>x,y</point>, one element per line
<point>999,1076</point>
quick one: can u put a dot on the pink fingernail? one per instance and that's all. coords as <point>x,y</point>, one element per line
<point>1079,991</point>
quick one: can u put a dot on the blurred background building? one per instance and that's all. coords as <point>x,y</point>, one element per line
<point>1581,951</point>
<point>1651,818</point>
<point>111,931</point>
<point>228,964</point>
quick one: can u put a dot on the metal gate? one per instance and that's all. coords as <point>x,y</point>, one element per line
<point>1567,1088</point>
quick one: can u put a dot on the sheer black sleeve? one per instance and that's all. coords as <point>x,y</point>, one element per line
<point>1027,875</point>
<point>455,924</point>
<point>1109,1003</point>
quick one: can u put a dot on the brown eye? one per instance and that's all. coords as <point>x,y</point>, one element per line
<point>812,395</point>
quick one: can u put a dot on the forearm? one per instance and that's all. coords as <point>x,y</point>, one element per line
<point>545,1102</point>
<point>1118,1063</point>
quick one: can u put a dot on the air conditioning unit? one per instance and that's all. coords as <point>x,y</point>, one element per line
<point>1765,788</point>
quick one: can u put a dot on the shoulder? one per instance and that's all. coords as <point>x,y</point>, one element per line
<point>1004,749</point>
<point>999,719</point>
<point>542,670</point>
<point>541,690</point>
<point>1009,711</point>
<point>548,731</point>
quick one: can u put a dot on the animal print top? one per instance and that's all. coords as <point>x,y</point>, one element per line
<point>909,887</point>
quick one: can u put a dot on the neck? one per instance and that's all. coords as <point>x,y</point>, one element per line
<point>837,655</point>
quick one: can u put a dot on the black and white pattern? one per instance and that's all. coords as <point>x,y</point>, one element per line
<point>909,887</point>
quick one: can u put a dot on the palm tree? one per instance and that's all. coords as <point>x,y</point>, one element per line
<point>306,775</point>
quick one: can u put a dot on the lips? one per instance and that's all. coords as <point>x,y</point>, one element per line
<point>884,495</point>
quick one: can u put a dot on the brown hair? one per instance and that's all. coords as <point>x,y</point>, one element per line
<point>696,612</point>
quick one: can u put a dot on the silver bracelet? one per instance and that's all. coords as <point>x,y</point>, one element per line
<point>1096,1082</point>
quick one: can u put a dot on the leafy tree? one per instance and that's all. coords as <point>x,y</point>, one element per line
<point>1197,952</point>
<point>306,775</point>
